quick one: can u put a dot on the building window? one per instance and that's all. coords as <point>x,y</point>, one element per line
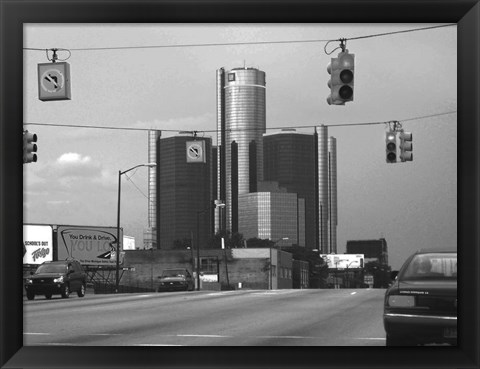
<point>231,77</point>
<point>209,265</point>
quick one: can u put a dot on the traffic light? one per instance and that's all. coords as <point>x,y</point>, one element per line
<point>341,70</point>
<point>391,146</point>
<point>29,148</point>
<point>406,146</point>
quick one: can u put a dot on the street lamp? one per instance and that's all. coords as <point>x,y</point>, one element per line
<point>117,280</point>
<point>217,205</point>
<point>277,241</point>
<point>347,275</point>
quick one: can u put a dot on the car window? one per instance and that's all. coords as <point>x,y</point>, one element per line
<point>432,266</point>
<point>173,273</point>
<point>52,268</point>
<point>77,267</point>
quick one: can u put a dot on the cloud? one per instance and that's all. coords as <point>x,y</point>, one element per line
<point>75,165</point>
<point>72,171</point>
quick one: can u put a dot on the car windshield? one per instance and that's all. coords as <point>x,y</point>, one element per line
<point>432,266</point>
<point>52,268</point>
<point>173,273</point>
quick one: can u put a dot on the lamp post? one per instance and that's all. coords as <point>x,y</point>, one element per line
<point>347,274</point>
<point>277,241</point>
<point>216,205</point>
<point>117,279</point>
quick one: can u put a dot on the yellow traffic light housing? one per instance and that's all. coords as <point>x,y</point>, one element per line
<point>341,70</point>
<point>29,147</point>
<point>391,146</point>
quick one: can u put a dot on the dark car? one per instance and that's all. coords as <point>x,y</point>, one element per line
<point>57,277</point>
<point>176,280</point>
<point>421,305</point>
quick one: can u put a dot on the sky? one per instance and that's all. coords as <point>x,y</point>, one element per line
<point>129,77</point>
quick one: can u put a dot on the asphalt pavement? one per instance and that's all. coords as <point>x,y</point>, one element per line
<point>310,317</point>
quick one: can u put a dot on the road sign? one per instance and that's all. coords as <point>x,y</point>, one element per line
<point>54,81</point>
<point>368,279</point>
<point>196,152</point>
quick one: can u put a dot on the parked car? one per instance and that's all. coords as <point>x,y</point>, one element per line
<point>421,305</point>
<point>176,280</point>
<point>57,277</point>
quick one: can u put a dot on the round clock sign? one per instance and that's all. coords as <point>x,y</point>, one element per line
<point>195,152</point>
<point>54,81</point>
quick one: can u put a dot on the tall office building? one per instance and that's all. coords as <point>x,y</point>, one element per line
<point>307,165</point>
<point>184,190</point>
<point>332,195</point>
<point>241,122</point>
<point>321,187</point>
<point>150,233</point>
<point>276,216</point>
<point>289,159</point>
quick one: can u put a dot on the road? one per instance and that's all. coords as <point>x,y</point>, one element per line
<point>312,317</point>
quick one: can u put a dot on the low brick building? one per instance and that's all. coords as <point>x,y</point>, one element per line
<point>220,269</point>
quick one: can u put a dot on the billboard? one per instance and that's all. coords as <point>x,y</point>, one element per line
<point>89,245</point>
<point>37,244</point>
<point>128,243</point>
<point>343,261</point>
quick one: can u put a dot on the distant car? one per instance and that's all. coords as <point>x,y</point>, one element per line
<point>421,305</point>
<point>176,280</point>
<point>56,277</point>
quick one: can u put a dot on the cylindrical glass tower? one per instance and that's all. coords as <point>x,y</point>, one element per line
<point>332,195</point>
<point>321,134</point>
<point>243,121</point>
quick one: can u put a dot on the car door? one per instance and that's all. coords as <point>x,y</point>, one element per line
<point>73,276</point>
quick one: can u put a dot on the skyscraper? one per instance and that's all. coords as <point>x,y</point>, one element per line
<point>241,122</point>
<point>306,165</point>
<point>321,178</point>
<point>150,233</point>
<point>332,195</point>
<point>184,191</point>
<point>289,159</point>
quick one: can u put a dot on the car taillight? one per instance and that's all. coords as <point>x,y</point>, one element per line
<point>401,301</point>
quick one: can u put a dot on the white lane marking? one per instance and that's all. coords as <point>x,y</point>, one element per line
<point>288,337</point>
<point>203,335</point>
<point>353,293</point>
<point>274,292</point>
<point>370,338</point>
<point>154,344</point>
<point>221,293</point>
<point>57,344</point>
<point>37,334</point>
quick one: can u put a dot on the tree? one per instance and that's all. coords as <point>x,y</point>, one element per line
<point>317,266</point>
<point>182,244</point>
<point>232,241</point>
<point>255,242</point>
<point>380,272</point>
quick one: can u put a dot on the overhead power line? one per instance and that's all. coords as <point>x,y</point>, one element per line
<point>240,43</point>
<point>213,131</point>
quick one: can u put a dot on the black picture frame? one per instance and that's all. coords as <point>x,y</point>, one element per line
<point>14,13</point>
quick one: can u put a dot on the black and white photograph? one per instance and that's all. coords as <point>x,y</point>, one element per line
<point>270,173</point>
<point>243,184</point>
